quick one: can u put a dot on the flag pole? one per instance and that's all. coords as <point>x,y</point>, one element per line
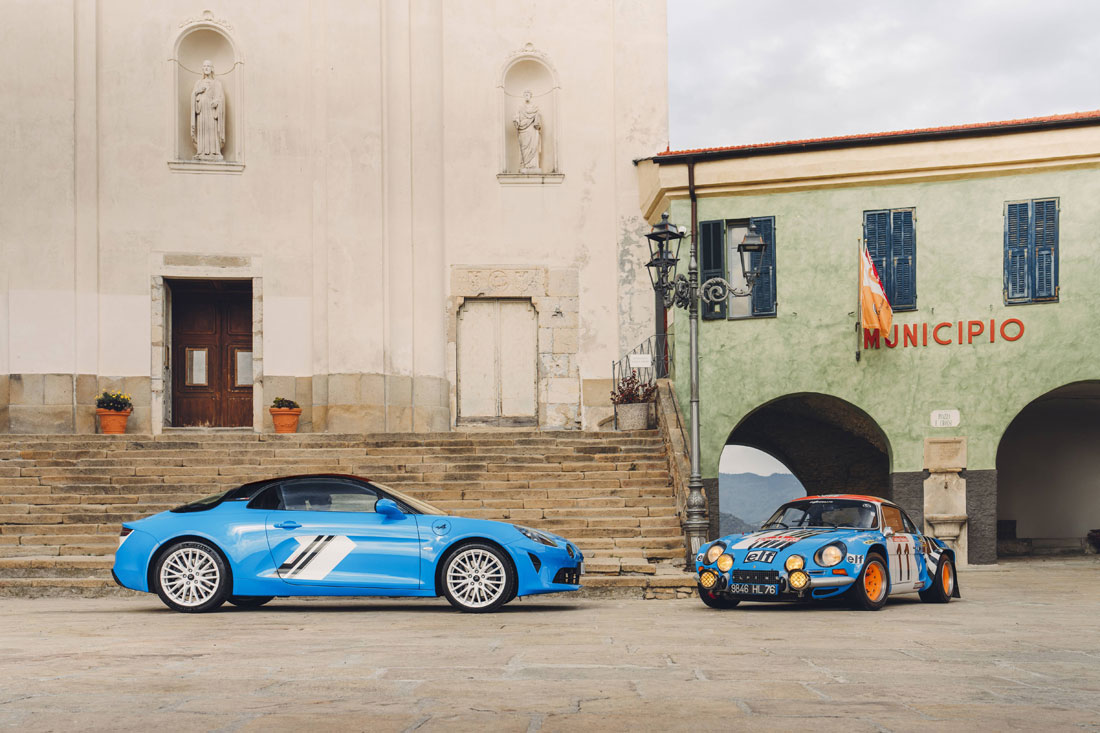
<point>859,294</point>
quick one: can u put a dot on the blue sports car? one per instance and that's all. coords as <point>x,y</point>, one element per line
<point>822,547</point>
<point>334,535</point>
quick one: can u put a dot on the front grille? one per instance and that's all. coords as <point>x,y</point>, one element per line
<point>754,576</point>
<point>569,576</point>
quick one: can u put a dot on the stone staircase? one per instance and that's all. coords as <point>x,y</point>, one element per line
<point>63,497</point>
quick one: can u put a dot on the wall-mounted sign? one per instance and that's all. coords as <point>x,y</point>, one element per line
<point>641,361</point>
<point>946,333</point>
<point>945,418</point>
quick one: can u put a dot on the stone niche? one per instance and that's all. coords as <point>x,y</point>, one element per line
<point>529,71</point>
<point>206,39</point>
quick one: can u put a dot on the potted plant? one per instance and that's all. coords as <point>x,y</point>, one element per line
<point>632,399</point>
<point>114,410</point>
<point>285,414</point>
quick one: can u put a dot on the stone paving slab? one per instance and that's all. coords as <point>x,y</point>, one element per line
<point>1019,651</point>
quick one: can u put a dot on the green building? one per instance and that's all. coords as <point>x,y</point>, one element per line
<point>980,411</point>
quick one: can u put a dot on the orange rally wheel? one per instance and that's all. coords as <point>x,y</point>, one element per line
<point>946,579</point>
<point>873,581</point>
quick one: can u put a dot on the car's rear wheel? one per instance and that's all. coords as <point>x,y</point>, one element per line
<point>943,585</point>
<point>870,589</point>
<point>714,600</point>
<point>191,577</point>
<point>249,601</point>
<point>477,578</point>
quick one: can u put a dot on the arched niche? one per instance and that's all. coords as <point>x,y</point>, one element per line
<point>528,70</point>
<point>206,39</point>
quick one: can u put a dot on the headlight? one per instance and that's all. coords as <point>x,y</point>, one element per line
<point>830,555</point>
<point>798,580</point>
<point>708,579</point>
<point>795,562</point>
<point>725,562</point>
<point>715,551</point>
<point>535,535</point>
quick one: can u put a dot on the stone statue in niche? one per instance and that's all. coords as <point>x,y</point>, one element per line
<point>528,124</point>
<point>208,115</point>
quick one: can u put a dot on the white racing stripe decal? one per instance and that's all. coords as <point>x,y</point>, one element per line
<point>316,557</point>
<point>778,539</point>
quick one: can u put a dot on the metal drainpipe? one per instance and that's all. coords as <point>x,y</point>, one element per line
<point>694,523</point>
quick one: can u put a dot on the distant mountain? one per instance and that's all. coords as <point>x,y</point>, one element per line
<point>729,524</point>
<point>753,498</point>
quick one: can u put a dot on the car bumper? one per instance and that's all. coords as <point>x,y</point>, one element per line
<point>779,578</point>
<point>545,569</point>
<point>131,567</point>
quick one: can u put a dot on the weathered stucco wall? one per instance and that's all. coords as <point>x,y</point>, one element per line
<point>810,346</point>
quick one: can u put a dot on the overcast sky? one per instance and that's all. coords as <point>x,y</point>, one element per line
<point>768,70</point>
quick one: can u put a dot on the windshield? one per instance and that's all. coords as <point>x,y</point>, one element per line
<point>417,505</point>
<point>824,513</point>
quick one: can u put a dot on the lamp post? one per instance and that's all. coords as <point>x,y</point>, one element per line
<point>685,292</point>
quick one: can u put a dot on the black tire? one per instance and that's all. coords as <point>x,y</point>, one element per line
<point>714,600</point>
<point>249,601</point>
<point>943,585</point>
<point>874,598</point>
<point>477,578</point>
<point>192,577</point>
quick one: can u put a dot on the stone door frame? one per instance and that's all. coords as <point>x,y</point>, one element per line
<point>553,293</point>
<point>184,266</point>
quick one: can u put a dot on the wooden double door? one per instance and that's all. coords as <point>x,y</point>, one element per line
<point>211,353</point>
<point>497,362</point>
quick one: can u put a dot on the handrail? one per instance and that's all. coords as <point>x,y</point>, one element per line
<point>652,361</point>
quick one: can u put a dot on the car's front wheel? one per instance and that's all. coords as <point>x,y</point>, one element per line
<point>249,601</point>
<point>477,578</point>
<point>713,600</point>
<point>191,577</point>
<point>870,589</point>
<point>943,585</point>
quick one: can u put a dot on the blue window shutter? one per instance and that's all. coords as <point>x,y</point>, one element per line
<point>1017,228</point>
<point>876,233</point>
<point>763,292</point>
<point>1045,225</point>
<point>712,263</point>
<point>903,253</point>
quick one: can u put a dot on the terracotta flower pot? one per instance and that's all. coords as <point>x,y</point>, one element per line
<point>633,416</point>
<point>285,418</point>
<point>113,422</point>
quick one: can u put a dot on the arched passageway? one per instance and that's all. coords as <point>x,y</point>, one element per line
<point>829,444</point>
<point>1048,473</point>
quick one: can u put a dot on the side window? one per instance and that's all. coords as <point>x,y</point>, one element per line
<point>892,244</point>
<point>909,526</point>
<point>718,257</point>
<point>891,516</point>
<point>327,495</point>
<point>1031,251</point>
<point>269,498</point>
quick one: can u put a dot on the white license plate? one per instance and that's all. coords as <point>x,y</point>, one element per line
<point>752,589</point>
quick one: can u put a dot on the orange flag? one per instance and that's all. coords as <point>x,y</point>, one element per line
<point>874,308</point>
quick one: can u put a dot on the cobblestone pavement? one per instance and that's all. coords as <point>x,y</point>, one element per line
<point>1020,651</point>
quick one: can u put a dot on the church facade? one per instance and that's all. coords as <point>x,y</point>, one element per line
<point>346,204</point>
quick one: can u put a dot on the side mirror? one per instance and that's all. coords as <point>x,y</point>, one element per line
<point>885,533</point>
<point>388,507</point>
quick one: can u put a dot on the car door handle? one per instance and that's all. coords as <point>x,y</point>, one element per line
<point>288,525</point>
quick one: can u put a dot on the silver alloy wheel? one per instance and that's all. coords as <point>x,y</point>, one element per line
<point>476,577</point>
<point>189,576</point>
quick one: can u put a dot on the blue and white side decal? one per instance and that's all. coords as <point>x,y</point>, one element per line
<point>315,557</point>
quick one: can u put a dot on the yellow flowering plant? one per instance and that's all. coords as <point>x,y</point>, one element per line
<point>116,401</point>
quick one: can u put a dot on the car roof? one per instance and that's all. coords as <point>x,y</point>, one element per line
<point>247,491</point>
<point>856,497</point>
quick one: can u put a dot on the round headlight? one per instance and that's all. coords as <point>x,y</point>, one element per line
<point>795,562</point>
<point>708,579</point>
<point>829,555</point>
<point>798,580</point>
<point>725,562</point>
<point>715,550</point>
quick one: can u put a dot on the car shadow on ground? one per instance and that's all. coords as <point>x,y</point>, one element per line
<point>831,604</point>
<point>302,606</point>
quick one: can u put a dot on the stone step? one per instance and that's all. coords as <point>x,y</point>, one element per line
<point>56,566</point>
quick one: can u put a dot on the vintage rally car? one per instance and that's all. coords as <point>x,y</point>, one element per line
<point>822,547</point>
<point>335,535</point>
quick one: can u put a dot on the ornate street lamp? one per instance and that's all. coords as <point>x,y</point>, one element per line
<point>684,293</point>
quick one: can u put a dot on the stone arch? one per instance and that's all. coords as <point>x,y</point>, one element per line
<point>529,70</point>
<point>829,444</point>
<point>199,39</point>
<point>1048,473</point>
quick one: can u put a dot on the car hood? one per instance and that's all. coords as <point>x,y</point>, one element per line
<point>791,539</point>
